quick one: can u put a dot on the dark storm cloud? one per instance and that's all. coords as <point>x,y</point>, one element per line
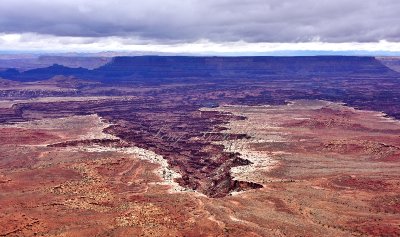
<point>167,21</point>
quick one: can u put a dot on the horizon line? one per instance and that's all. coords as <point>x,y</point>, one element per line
<point>288,53</point>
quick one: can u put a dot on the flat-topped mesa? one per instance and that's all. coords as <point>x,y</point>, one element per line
<point>174,67</point>
<point>142,68</point>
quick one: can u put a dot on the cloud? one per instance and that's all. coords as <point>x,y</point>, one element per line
<point>50,43</point>
<point>177,22</point>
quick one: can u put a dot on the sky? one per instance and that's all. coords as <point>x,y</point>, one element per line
<point>232,27</point>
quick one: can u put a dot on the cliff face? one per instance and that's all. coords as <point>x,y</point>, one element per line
<point>391,62</point>
<point>164,67</point>
<point>156,68</point>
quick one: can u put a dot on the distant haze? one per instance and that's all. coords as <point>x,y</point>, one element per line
<point>201,26</point>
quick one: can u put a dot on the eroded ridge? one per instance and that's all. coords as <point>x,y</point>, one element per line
<point>323,160</point>
<point>54,171</point>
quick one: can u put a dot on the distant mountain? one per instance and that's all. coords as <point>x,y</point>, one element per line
<point>43,73</point>
<point>74,61</point>
<point>54,70</point>
<point>166,68</point>
<point>28,62</point>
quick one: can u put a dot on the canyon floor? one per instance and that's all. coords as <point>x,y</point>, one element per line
<point>323,169</point>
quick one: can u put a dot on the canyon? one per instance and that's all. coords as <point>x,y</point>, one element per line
<point>201,146</point>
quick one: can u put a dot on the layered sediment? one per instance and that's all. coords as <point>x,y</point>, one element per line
<point>138,154</point>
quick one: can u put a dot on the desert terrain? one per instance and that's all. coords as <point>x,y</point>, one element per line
<point>298,151</point>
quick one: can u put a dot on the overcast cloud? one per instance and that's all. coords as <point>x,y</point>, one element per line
<point>215,20</point>
<point>175,22</point>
